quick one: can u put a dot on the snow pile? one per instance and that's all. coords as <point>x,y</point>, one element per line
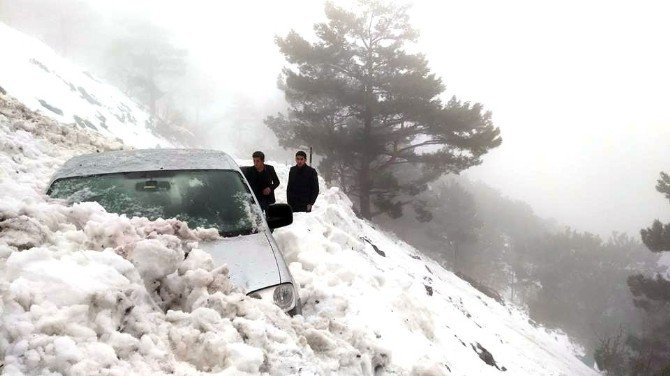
<point>85,291</point>
<point>34,74</point>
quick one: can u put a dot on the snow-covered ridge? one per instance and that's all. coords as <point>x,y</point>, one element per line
<point>39,78</point>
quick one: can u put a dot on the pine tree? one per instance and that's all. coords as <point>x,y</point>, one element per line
<point>652,294</point>
<point>455,219</point>
<point>142,61</point>
<point>372,108</point>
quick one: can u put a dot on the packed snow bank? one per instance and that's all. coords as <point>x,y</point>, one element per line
<point>87,292</point>
<point>34,74</point>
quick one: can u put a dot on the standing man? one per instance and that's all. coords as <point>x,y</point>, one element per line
<point>303,185</point>
<point>263,180</point>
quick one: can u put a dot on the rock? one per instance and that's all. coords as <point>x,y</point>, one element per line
<point>486,356</point>
<point>379,251</point>
<point>51,108</point>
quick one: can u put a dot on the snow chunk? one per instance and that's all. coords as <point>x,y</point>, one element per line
<point>153,259</point>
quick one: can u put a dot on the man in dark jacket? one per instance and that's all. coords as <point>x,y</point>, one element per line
<point>303,185</point>
<point>263,180</point>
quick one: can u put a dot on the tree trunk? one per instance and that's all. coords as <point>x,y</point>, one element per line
<point>456,261</point>
<point>364,182</point>
<point>364,190</point>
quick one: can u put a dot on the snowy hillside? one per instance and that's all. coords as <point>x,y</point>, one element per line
<point>357,277</point>
<point>85,291</point>
<point>35,75</point>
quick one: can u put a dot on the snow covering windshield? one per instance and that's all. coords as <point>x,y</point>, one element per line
<point>203,198</point>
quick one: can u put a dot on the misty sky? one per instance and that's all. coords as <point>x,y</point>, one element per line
<point>580,90</point>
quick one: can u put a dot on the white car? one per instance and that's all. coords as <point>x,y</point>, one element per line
<point>204,188</point>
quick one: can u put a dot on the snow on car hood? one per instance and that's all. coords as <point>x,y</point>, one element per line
<point>250,259</point>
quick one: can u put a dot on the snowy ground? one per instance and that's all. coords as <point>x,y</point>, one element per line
<point>89,292</point>
<point>85,291</point>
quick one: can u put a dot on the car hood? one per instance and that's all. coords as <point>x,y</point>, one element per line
<point>250,258</point>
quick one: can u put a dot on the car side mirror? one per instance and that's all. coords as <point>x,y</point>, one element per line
<point>279,215</point>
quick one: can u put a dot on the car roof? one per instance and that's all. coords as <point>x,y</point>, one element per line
<point>145,160</point>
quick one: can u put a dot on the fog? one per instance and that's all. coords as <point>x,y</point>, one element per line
<point>579,90</point>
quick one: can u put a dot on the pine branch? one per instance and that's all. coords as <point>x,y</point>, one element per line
<point>396,204</point>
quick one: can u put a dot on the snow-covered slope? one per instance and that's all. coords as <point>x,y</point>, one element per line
<point>35,75</point>
<point>85,291</point>
<point>360,281</point>
<point>88,292</point>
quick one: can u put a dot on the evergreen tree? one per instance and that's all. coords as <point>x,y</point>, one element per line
<point>652,295</point>
<point>455,221</point>
<point>372,108</point>
<point>657,237</point>
<point>579,289</point>
<point>143,61</point>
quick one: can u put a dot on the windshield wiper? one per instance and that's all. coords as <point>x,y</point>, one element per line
<point>230,234</point>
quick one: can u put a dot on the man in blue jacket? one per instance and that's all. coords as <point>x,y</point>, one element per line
<point>303,185</point>
<point>263,180</point>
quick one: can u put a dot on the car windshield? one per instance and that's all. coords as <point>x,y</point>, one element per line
<point>202,198</point>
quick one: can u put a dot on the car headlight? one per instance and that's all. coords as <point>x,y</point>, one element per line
<point>282,295</point>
